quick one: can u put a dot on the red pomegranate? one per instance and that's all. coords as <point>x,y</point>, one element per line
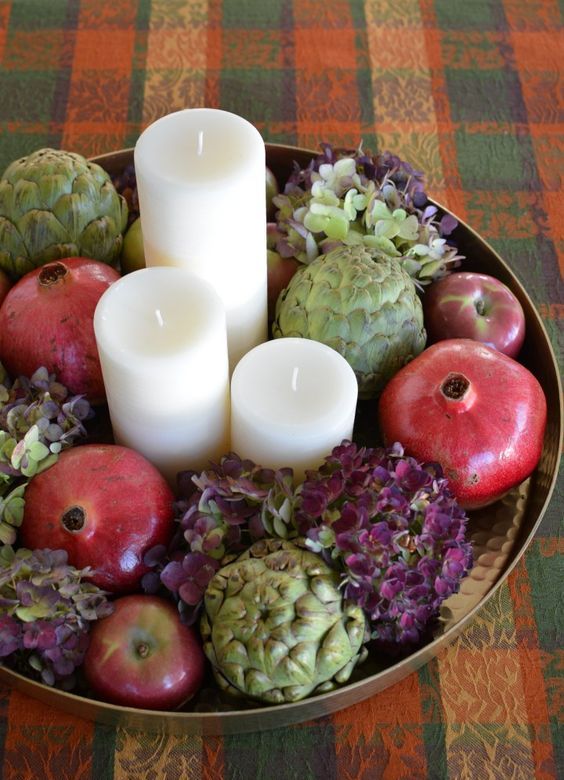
<point>474,410</point>
<point>46,320</point>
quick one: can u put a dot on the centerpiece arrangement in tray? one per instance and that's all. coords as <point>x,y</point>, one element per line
<point>244,584</point>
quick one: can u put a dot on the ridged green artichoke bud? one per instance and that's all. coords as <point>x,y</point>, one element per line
<point>361,303</point>
<point>275,626</point>
<point>56,204</point>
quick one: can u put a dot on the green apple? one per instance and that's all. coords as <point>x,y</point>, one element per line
<point>133,254</point>
<point>271,191</point>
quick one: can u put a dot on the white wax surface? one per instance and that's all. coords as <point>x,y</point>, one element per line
<point>292,401</point>
<point>162,343</point>
<point>201,183</point>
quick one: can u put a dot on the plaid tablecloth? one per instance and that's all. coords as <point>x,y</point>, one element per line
<point>470,92</point>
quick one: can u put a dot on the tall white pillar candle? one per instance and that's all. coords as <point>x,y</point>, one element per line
<point>162,343</point>
<point>292,401</point>
<point>201,183</point>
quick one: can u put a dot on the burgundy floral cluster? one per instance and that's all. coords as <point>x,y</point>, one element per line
<point>395,531</point>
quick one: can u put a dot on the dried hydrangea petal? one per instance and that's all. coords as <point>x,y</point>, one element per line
<point>46,608</point>
<point>351,196</point>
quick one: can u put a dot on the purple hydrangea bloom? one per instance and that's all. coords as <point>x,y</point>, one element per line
<point>356,182</point>
<point>46,608</point>
<point>395,531</point>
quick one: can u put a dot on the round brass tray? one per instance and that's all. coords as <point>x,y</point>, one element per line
<point>500,534</point>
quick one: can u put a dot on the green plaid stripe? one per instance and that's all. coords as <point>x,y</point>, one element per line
<point>304,752</point>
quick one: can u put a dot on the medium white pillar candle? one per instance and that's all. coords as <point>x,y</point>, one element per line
<point>162,343</point>
<point>201,183</point>
<point>292,401</point>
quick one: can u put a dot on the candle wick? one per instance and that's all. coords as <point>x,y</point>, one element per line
<point>295,379</point>
<point>159,317</point>
<point>200,142</point>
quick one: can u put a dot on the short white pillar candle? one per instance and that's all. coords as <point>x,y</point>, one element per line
<point>162,343</point>
<point>292,401</point>
<point>201,183</point>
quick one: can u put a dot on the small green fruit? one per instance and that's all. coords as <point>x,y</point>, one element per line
<point>271,191</point>
<point>133,254</point>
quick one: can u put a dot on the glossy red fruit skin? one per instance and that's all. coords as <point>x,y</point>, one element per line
<point>124,504</point>
<point>46,319</point>
<point>143,656</point>
<point>280,271</point>
<point>488,441</point>
<point>474,306</point>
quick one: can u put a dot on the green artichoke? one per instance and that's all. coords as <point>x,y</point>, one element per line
<point>275,626</point>
<point>56,204</point>
<point>362,304</point>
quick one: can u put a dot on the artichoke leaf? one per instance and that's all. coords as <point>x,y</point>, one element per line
<point>111,204</point>
<point>257,683</point>
<point>6,198</point>
<point>97,172</point>
<point>292,672</point>
<point>304,654</point>
<point>306,629</point>
<point>234,673</point>
<point>296,692</point>
<point>359,318</point>
<point>101,240</point>
<point>11,244</point>
<point>325,327</point>
<point>41,229</point>
<point>51,188</point>
<point>282,633</point>
<point>326,591</point>
<point>343,674</point>
<point>332,650</point>
<point>281,615</point>
<point>275,654</point>
<point>86,186</point>
<point>54,252</point>
<point>74,212</point>
<point>310,607</point>
<point>108,203</point>
<point>235,652</point>
<point>26,196</point>
<point>256,651</point>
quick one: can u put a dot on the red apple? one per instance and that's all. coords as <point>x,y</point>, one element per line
<point>280,271</point>
<point>142,655</point>
<point>105,505</point>
<point>474,306</point>
<point>5,285</point>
